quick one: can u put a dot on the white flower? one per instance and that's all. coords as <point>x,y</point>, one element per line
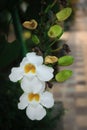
<point>35,103</point>
<point>34,85</point>
<point>30,67</point>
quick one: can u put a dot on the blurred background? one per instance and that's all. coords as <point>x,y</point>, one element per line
<point>72,93</point>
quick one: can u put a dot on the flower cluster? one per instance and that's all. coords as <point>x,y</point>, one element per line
<point>33,74</point>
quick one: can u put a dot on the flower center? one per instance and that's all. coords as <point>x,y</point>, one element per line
<point>29,68</point>
<point>32,96</point>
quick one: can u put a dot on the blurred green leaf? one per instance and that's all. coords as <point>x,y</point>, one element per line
<point>64,14</point>
<point>4,21</point>
<point>8,52</point>
<point>65,60</point>
<point>63,75</point>
<point>55,31</point>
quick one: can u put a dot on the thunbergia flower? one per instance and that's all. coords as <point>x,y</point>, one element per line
<point>35,104</point>
<point>30,67</point>
<point>34,85</point>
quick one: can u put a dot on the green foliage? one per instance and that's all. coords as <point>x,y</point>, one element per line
<point>5,4</point>
<point>64,14</point>
<point>8,52</point>
<point>63,75</point>
<point>4,21</point>
<point>65,60</point>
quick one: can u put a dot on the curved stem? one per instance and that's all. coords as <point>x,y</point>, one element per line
<point>18,30</point>
<point>58,49</point>
<point>53,42</point>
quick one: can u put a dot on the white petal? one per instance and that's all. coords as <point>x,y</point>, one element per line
<point>16,74</point>
<point>47,99</point>
<point>34,59</point>
<point>34,85</point>
<point>45,73</point>
<point>30,54</point>
<point>23,101</point>
<point>29,75</point>
<point>23,96</point>
<point>25,84</point>
<point>24,61</point>
<point>35,113</point>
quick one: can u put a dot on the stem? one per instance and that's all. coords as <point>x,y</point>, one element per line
<point>55,1</point>
<point>50,6</point>
<point>58,49</point>
<point>53,42</point>
<point>18,30</point>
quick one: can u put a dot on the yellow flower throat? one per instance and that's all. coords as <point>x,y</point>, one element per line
<point>29,68</point>
<point>32,96</point>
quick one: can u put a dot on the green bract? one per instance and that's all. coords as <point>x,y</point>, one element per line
<point>35,39</point>
<point>65,60</point>
<point>64,14</point>
<point>63,75</point>
<point>55,31</point>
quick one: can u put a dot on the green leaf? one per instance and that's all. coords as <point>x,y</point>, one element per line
<point>55,31</point>
<point>65,60</point>
<point>63,75</point>
<point>35,39</point>
<point>64,14</point>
